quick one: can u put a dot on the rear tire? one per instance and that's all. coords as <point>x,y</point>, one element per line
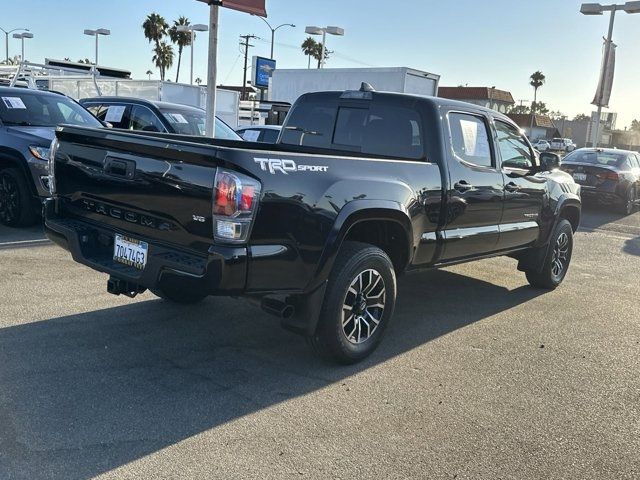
<point>556,261</point>
<point>629,204</point>
<point>182,297</point>
<point>358,304</point>
<point>16,202</point>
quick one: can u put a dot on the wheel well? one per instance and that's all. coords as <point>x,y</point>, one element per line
<point>388,235</point>
<point>572,214</point>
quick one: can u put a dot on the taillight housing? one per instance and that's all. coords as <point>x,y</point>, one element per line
<point>235,202</point>
<point>608,176</point>
<point>52,166</point>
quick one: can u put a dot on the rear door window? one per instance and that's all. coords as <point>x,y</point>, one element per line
<point>470,139</point>
<point>145,120</point>
<point>269,135</point>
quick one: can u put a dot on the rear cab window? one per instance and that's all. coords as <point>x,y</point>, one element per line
<point>367,127</point>
<point>470,139</point>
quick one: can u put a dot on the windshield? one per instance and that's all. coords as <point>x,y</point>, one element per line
<point>32,109</point>
<point>192,122</point>
<point>597,158</point>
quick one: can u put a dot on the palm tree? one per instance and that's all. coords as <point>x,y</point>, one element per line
<point>537,80</point>
<point>163,58</point>
<point>198,80</point>
<point>182,39</point>
<point>319,51</point>
<point>309,49</point>
<point>155,28</point>
<point>149,72</point>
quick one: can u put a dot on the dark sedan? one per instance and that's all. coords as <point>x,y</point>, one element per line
<point>607,175</point>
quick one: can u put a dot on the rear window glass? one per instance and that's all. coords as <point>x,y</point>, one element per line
<point>29,109</point>
<point>382,130</point>
<point>597,158</point>
<point>310,124</point>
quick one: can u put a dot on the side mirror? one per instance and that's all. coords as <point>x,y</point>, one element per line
<point>549,161</point>
<point>107,124</point>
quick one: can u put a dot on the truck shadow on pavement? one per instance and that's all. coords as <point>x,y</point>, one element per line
<point>84,394</point>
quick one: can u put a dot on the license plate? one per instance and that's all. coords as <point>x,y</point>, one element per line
<point>580,177</point>
<point>130,251</point>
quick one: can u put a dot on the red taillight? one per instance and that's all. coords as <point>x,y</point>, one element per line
<point>608,176</point>
<point>234,205</point>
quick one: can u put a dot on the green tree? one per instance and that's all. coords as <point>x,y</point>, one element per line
<point>149,73</point>
<point>536,80</point>
<point>181,39</point>
<point>309,48</point>
<point>163,58</point>
<point>635,125</point>
<point>540,108</point>
<point>581,117</point>
<point>520,109</point>
<point>198,80</point>
<point>155,28</point>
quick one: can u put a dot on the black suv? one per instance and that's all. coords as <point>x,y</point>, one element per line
<point>27,124</point>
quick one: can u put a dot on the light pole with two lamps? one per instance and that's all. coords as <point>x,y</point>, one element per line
<point>198,27</point>
<point>96,33</point>
<point>22,36</point>
<point>323,31</point>
<point>597,9</point>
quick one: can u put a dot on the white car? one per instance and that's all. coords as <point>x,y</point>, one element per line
<point>541,145</point>
<point>563,145</point>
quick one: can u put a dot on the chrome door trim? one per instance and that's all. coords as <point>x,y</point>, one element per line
<point>518,226</point>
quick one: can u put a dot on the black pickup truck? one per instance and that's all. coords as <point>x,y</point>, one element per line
<point>362,186</point>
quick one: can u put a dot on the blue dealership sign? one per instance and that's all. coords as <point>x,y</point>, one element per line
<point>262,70</point>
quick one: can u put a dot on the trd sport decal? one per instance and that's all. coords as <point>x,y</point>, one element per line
<point>275,165</point>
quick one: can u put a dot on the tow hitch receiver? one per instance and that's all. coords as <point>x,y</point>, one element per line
<point>115,286</point>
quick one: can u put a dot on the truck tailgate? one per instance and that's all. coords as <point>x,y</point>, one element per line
<point>144,186</point>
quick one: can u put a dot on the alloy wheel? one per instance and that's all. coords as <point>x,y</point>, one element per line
<point>560,258</point>
<point>363,306</point>
<point>9,199</point>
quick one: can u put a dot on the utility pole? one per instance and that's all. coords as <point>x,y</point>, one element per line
<point>246,46</point>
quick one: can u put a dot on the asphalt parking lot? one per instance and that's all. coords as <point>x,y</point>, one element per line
<point>479,377</point>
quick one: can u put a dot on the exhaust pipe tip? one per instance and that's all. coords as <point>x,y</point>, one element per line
<point>278,308</point>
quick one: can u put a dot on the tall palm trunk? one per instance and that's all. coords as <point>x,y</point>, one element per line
<point>309,61</point>
<point>179,59</point>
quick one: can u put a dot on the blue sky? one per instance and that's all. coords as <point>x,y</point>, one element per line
<point>479,43</point>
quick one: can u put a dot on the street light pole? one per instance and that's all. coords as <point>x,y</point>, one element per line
<point>273,31</point>
<point>96,33</point>
<point>22,36</point>
<point>323,31</point>
<point>6,40</point>
<point>597,9</point>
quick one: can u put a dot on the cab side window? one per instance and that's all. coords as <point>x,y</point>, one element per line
<point>470,139</point>
<point>514,150</point>
<point>116,115</point>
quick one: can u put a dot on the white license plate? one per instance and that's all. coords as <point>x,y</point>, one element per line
<point>580,177</point>
<point>130,251</point>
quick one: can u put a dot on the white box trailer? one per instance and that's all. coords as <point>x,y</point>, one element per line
<point>227,101</point>
<point>286,85</point>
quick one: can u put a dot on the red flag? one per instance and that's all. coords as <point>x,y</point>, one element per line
<point>255,7</point>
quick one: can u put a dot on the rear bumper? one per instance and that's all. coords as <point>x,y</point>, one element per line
<point>221,271</point>
<point>608,196</point>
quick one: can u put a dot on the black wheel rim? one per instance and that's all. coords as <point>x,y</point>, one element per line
<point>9,199</point>
<point>363,306</point>
<point>560,258</point>
<point>630,202</point>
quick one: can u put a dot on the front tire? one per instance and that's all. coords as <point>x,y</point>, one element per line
<point>556,261</point>
<point>16,203</point>
<point>358,304</point>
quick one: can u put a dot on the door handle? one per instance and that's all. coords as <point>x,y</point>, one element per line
<point>462,186</point>
<point>512,187</point>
